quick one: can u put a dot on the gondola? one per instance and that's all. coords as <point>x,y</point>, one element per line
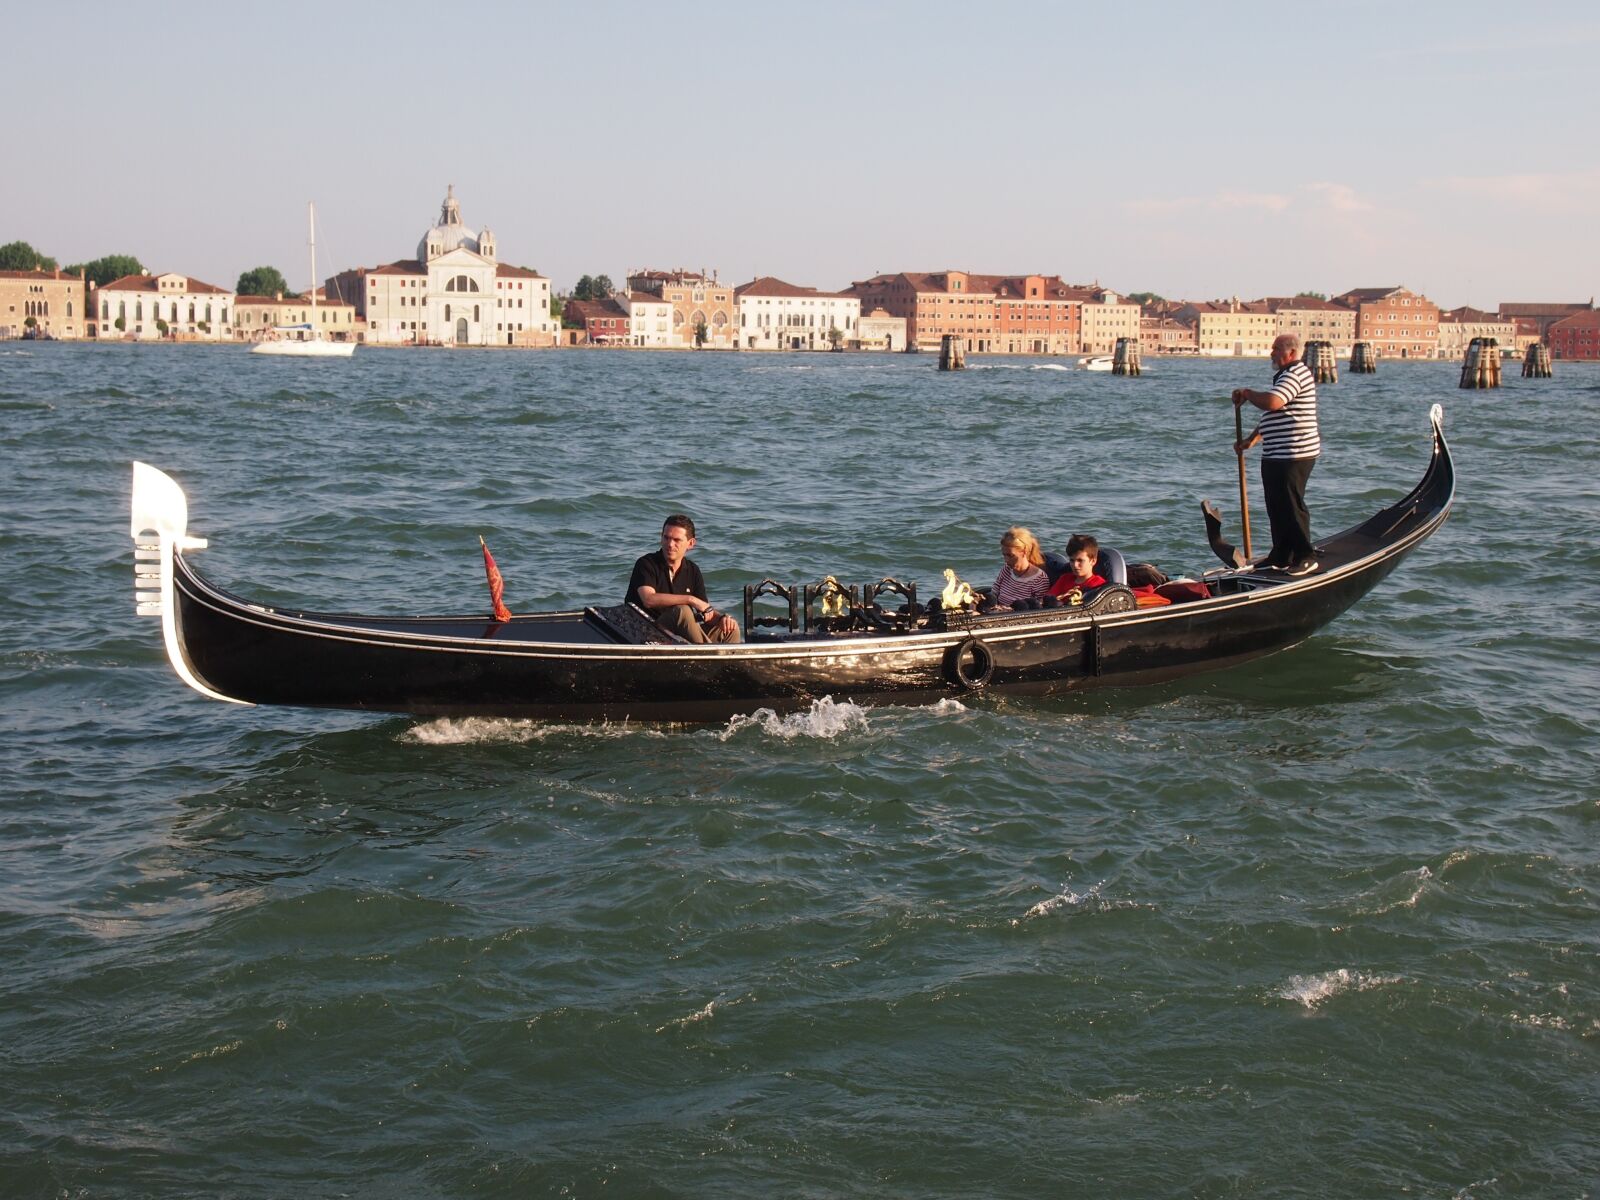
<point>873,646</point>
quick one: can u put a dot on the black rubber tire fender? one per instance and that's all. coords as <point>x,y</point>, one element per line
<point>960,675</point>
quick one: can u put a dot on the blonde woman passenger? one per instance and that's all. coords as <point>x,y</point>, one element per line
<point>1023,577</point>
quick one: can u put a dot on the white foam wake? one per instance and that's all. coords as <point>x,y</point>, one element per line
<point>461,731</point>
<point>824,719</point>
<point>1088,900</point>
<point>1312,991</point>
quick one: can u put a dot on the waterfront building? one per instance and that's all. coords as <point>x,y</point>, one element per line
<point>1576,337</point>
<point>1315,320</point>
<point>1543,314</point>
<point>1107,316</point>
<point>697,300</point>
<point>454,292</point>
<point>1527,333</point>
<point>1232,328</point>
<point>1399,323</point>
<point>136,307</point>
<point>254,317</point>
<point>1166,335</point>
<point>604,322</point>
<point>649,320</point>
<point>1459,326</point>
<point>54,302</point>
<point>1036,314</point>
<point>877,330</point>
<point>774,315</point>
<point>933,304</point>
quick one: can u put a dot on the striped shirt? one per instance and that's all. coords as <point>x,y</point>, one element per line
<point>1291,431</point>
<point>1010,588</point>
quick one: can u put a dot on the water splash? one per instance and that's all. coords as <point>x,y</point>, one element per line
<point>824,719</point>
<point>463,731</point>
<point>1311,991</point>
<point>1088,900</point>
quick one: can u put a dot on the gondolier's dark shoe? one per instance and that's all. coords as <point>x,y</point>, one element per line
<point>1305,566</point>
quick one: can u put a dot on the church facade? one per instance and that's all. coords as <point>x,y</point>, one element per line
<point>455,292</point>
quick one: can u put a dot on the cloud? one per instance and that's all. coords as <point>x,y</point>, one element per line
<point>1340,197</point>
<point>1540,192</point>
<point>1221,202</point>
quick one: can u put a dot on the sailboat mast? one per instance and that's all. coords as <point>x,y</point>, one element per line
<point>311,226</point>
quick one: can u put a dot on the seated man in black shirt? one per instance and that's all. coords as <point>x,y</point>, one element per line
<point>671,589</point>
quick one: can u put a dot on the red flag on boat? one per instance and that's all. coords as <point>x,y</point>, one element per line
<point>497,586</point>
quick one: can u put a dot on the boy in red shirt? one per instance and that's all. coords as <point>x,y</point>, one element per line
<point>1083,551</point>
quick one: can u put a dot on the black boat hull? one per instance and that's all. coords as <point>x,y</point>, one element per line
<point>557,666</point>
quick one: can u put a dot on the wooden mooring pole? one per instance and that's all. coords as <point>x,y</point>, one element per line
<point>1481,368</point>
<point>1319,360</point>
<point>1363,360</point>
<point>951,355</point>
<point>1125,359</point>
<point>1536,362</point>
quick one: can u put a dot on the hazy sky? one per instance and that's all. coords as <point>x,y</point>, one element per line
<point>1196,150</point>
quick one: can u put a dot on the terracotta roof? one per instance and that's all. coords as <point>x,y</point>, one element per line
<point>1544,310</point>
<point>46,276</point>
<point>767,285</point>
<point>148,283</point>
<point>1472,315</point>
<point>587,310</point>
<point>503,271</point>
<point>404,266</point>
<point>1308,303</point>
<point>1586,319</point>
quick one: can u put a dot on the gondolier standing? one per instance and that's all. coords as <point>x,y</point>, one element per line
<point>1290,443</point>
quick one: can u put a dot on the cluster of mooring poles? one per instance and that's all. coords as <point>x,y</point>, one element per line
<point>1481,367</point>
<point>1536,362</point>
<point>952,357</point>
<point>1363,359</point>
<point>1319,361</point>
<point>1125,359</point>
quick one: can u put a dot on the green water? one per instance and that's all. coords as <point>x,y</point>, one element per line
<point>1323,925</point>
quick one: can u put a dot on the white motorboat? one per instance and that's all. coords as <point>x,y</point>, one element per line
<point>305,341</point>
<point>1096,362</point>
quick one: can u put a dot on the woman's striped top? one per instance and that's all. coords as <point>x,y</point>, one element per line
<point>1010,588</point>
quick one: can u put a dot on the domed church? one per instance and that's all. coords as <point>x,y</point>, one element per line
<point>454,292</point>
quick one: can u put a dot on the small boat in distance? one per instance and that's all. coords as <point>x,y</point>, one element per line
<point>305,341</point>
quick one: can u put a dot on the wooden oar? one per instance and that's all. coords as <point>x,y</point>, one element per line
<point>1244,493</point>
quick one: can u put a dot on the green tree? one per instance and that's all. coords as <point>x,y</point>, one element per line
<point>112,267</point>
<point>30,322</point>
<point>262,281</point>
<point>19,256</point>
<point>835,336</point>
<point>161,327</point>
<point>1313,295</point>
<point>700,333</point>
<point>584,290</point>
<point>602,287</point>
<point>1144,298</point>
<point>557,304</point>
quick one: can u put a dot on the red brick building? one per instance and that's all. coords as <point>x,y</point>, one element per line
<point>1543,315</point>
<point>604,322</point>
<point>991,314</point>
<point>1399,323</point>
<point>1576,338</point>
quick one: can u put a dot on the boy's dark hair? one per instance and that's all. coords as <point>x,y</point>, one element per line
<point>681,521</point>
<point>1082,541</point>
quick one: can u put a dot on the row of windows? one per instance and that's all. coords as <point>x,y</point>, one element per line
<point>155,311</point>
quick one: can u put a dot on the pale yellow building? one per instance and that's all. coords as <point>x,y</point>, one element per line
<point>256,317</point>
<point>1107,317</point>
<point>41,304</point>
<point>1314,320</point>
<point>1458,326</point>
<point>1232,328</point>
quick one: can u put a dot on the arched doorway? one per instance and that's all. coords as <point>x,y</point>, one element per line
<point>461,331</point>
